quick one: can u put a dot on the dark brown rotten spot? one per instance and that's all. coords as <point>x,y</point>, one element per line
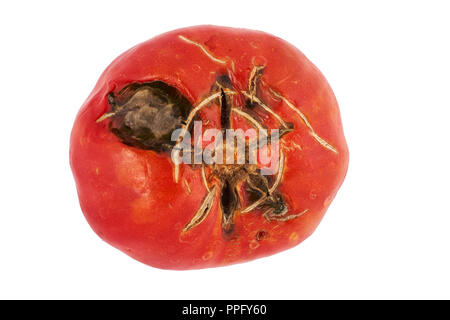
<point>261,235</point>
<point>225,112</point>
<point>275,204</point>
<point>229,198</point>
<point>144,115</point>
<point>229,203</point>
<point>224,81</point>
<point>257,187</point>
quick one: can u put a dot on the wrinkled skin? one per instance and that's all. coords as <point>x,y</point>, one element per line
<point>129,195</point>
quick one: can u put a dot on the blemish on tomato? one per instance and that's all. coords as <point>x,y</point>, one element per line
<point>261,235</point>
<point>312,195</point>
<point>207,256</point>
<point>293,236</point>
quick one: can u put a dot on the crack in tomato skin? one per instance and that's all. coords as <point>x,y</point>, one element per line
<point>205,51</point>
<point>153,234</point>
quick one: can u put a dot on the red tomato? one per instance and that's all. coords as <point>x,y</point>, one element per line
<point>196,216</point>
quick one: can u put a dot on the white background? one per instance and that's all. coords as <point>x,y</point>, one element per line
<point>386,235</point>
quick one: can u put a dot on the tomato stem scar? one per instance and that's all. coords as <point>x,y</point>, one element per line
<point>189,119</point>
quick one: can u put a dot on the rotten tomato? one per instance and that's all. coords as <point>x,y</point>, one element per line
<point>208,146</point>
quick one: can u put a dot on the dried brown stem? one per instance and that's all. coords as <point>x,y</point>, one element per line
<point>189,119</point>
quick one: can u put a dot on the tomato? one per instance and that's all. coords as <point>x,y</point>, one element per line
<point>140,199</point>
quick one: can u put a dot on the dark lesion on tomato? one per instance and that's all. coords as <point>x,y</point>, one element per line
<point>229,203</point>
<point>144,115</point>
<point>229,196</point>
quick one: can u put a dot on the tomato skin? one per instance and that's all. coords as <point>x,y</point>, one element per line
<point>129,196</point>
